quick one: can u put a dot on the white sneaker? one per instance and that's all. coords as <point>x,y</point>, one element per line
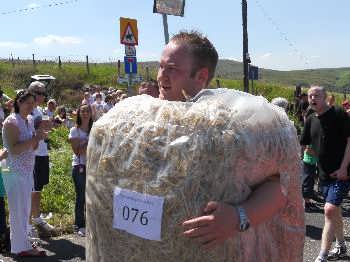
<point>42,224</point>
<point>81,232</point>
<point>46,216</point>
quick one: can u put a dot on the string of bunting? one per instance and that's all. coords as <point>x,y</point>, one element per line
<point>28,9</point>
<point>282,34</point>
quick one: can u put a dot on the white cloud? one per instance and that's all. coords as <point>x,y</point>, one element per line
<point>9,44</point>
<point>315,57</point>
<point>147,56</point>
<point>267,55</point>
<point>117,52</point>
<point>55,39</point>
<point>233,58</point>
<point>33,5</point>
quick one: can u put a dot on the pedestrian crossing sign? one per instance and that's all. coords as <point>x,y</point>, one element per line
<point>128,31</point>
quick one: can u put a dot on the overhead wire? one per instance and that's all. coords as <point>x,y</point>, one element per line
<point>282,34</point>
<point>29,9</point>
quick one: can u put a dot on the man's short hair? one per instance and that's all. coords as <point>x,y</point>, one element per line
<point>36,86</point>
<point>202,50</point>
<point>320,88</point>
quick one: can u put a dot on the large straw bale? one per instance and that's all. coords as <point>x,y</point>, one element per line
<point>217,148</point>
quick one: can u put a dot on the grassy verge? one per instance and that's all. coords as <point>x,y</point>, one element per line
<point>58,196</point>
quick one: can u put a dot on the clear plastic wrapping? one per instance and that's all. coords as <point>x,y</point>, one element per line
<point>217,148</point>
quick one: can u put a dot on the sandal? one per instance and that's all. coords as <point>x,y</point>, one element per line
<point>32,253</point>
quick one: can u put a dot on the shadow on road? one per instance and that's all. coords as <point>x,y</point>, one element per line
<point>58,250</point>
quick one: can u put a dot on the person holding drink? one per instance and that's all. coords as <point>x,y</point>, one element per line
<point>21,140</point>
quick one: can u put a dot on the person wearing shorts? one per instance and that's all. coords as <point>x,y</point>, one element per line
<point>327,130</point>
<point>41,166</point>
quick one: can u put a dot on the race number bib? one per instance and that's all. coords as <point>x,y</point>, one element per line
<point>136,213</point>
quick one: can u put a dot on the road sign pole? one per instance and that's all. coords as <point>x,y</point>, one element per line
<point>166,31</point>
<point>130,65</point>
<point>129,84</point>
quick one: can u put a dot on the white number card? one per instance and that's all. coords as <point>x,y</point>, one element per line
<point>138,214</point>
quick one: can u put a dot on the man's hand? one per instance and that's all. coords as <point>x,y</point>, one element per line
<point>340,174</point>
<point>219,223</point>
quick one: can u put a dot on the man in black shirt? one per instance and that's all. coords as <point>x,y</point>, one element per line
<point>328,131</point>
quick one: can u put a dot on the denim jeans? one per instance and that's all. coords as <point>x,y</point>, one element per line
<point>2,215</point>
<point>79,179</point>
<point>308,180</point>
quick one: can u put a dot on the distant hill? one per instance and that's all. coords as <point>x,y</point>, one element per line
<point>230,69</point>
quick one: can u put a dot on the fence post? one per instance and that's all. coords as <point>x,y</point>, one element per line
<point>217,83</point>
<point>87,65</point>
<point>147,73</point>
<point>59,62</point>
<point>33,60</point>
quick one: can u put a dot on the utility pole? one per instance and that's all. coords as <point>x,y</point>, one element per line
<point>246,59</point>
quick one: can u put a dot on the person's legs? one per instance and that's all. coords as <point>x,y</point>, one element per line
<point>4,234</point>
<point>19,207</point>
<point>79,179</point>
<point>2,216</point>
<point>334,193</point>
<point>331,219</point>
<point>339,190</point>
<point>308,182</point>
<point>41,178</point>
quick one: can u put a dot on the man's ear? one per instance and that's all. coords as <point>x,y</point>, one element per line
<point>202,77</point>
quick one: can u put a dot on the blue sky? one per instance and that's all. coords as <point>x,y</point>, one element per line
<point>283,35</point>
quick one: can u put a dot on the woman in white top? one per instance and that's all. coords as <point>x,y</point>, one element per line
<point>78,138</point>
<point>21,140</point>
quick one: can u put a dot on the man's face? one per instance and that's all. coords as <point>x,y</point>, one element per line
<point>51,106</point>
<point>317,99</point>
<point>174,74</point>
<point>40,96</point>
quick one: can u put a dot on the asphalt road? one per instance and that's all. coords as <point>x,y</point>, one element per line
<point>314,224</point>
<point>71,248</point>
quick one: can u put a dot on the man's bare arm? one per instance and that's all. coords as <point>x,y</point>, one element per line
<point>222,220</point>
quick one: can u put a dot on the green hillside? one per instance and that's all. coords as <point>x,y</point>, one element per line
<point>73,76</point>
<point>331,78</point>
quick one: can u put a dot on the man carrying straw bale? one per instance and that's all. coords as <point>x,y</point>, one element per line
<point>225,163</point>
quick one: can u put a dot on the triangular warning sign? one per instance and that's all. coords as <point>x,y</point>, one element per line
<point>128,37</point>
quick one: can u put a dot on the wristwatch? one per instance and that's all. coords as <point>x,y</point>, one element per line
<point>243,219</point>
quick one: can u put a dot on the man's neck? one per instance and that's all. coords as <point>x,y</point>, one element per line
<point>323,110</point>
<point>191,92</point>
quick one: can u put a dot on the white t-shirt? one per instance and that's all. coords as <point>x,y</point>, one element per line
<point>98,109</point>
<point>42,150</point>
<point>76,132</point>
